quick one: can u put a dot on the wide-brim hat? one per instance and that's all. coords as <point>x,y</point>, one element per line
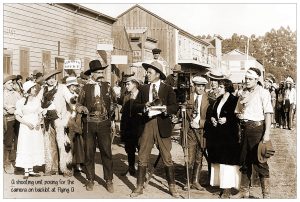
<point>94,66</point>
<point>71,80</point>
<point>289,80</point>
<point>265,151</point>
<point>51,73</point>
<point>8,78</point>
<point>215,74</point>
<point>27,85</point>
<point>157,67</point>
<point>35,72</point>
<point>177,68</point>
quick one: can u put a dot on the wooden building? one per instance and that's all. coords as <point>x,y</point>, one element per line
<point>239,63</point>
<point>43,36</point>
<point>146,31</point>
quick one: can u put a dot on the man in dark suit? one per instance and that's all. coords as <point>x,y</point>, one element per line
<point>157,125</point>
<point>196,115</point>
<point>97,101</point>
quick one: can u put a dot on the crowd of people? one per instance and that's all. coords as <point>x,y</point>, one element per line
<point>59,125</point>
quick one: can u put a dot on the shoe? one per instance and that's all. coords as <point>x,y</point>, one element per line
<point>90,185</point>
<point>197,186</point>
<point>26,175</point>
<point>33,174</point>
<point>110,186</point>
<point>9,169</point>
<point>225,193</point>
<point>68,174</point>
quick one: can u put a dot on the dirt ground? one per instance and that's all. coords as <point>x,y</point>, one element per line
<point>282,168</point>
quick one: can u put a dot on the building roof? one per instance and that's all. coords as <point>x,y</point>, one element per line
<point>167,22</point>
<point>82,10</point>
<point>236,55</point>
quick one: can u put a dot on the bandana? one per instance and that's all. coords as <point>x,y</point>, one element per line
<point>252,74</point>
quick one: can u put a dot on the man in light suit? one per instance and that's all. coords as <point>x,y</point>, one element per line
<point>157,125</point>
<point>196,116</point>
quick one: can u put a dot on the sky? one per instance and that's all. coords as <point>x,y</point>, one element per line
<point>216,18</point>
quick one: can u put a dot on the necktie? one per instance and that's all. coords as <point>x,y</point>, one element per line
<point>154,92</point>
<point>195,109</point>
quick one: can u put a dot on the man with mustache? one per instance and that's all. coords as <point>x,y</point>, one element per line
<point>97,101</point>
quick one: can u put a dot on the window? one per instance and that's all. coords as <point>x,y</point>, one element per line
<point>24,62</point>
<point>7,60</point>
<point>46,60</point>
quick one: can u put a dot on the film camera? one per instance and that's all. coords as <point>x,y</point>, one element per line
<point>183,87</point>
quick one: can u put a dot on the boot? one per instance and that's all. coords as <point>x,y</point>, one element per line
<point>185,188</point>
<point>225,193</point>
<point>171,181</point>
<point>244,191</point>
<point>265,187</point>
<point>140,182</point>
<point>196,177</point>
<point>8,167</point>
<point>131,161</point>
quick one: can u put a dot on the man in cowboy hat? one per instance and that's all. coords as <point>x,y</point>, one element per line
<point>254,110</point>
<point>289,102</point>
<point>172,79</point>
<point>97,101</point>
<point>156,101</point>
<point>11,131</point>
<point>196,116</point>
<point>55,97</point>
<point>130,122</point>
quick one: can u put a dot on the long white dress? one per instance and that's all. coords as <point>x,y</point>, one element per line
<point>30,148</point>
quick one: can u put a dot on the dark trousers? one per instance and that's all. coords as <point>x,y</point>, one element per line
<point>10,138</point>
<point>150,137</point>
<point>130,148</point>
<point>251,136</point>
<point>98,133</point>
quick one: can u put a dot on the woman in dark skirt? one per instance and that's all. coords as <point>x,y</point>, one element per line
<point>224,148</point>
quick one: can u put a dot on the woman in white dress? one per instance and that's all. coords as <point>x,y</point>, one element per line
<point>30,149</point>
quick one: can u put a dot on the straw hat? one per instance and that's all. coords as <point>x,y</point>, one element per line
<point>157,67</point>
<point>71,81</point>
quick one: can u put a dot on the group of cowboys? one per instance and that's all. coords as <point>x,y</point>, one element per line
<point>78,116</point>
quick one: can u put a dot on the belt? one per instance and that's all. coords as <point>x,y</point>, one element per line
<point>246,122</point>
<point>9,117</point>
<point>96,118</point>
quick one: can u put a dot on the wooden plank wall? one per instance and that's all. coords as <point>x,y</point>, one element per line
<point>121,47</point>
<point>40,27</point>
<point>157,29</point>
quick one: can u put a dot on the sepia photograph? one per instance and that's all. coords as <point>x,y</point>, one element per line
<point>149,100</point>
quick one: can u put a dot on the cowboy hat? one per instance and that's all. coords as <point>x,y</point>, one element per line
<point>215,74</point>
<point>94,66</point>
<point>51,73</point>
<point>157,67</point>
<point>8,78</point>
<point>264,151</point>
<point>177,68</point>
<point>27,85</point>
<point>289,80</point>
